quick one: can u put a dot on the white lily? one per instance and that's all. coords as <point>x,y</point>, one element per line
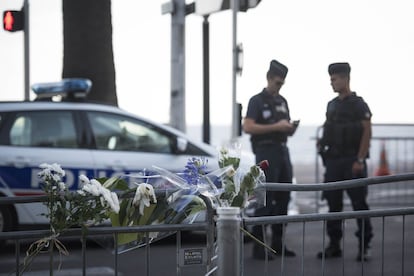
<point>143,195</point>
<point>115,207</point>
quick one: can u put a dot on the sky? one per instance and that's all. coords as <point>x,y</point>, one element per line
<point>375,36</point>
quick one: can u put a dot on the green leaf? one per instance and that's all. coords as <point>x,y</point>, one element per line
<point>196,206</point>
<point>160,211</point>
<point>144,219</point>
<point>114,183</point>
<point>255,170</point>
<point>237,201</point>
<point>109,182</point>
<point>123,210</point>
<point>123,238</point>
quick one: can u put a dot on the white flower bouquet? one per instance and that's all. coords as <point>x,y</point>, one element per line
<point>160,198</point>
<point>153,199</point>
<point>90,205</point>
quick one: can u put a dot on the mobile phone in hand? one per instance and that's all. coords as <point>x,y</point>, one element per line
<point>295,124</point>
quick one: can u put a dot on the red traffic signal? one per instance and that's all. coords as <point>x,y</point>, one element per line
<point>13,21</point>
<point>248,4</point>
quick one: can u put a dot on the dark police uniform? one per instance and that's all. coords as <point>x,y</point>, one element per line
<point>339,147</point>
<point>265,108</point>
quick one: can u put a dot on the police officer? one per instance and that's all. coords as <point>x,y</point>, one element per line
<point>344,147</point>
<point>268,122</point>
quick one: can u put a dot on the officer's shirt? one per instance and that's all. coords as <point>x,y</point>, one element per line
<point>352,106</point>
<point>343,128</point>
<point>264,108</point>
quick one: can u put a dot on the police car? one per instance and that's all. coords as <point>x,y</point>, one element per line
<point>84,138</point>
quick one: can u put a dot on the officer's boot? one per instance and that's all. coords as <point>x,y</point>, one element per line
<point>333,250</point>
<point>364,250</point>
<point>277,231</point>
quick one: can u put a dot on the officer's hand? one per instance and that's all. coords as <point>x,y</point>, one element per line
<point>357,168</point>
<point>318,142</point>
<point>285,126</point>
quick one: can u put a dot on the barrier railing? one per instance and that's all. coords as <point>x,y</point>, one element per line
<point>307,218</point>
<point>206,226</point>
<point>310,265</point>
<point>316,234</point>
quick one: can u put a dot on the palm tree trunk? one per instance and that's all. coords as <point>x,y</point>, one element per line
<point>88,52</point>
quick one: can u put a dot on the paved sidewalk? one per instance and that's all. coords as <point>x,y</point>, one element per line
<point>163,255</point>
<point>388,257</point>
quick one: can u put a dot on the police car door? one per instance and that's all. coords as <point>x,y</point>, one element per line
<point>128,145</point>
<point>36,137</point>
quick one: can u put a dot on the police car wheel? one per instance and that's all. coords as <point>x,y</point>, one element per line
<point>6,219</point>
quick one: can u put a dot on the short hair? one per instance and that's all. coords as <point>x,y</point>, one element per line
<point>340,68</point>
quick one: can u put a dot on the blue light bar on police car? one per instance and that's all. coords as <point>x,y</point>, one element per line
<point>76,87</point>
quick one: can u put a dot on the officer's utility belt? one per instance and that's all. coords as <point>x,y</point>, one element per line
<point>337,153</point>
<point>269,143</point>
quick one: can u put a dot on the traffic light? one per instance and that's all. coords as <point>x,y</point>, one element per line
<point>13,20</point>
<point>248,4</point>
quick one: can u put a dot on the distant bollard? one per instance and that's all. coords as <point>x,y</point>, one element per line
<point>228,241</point>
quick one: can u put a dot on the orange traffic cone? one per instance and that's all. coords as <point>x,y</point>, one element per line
<point>383,168</point>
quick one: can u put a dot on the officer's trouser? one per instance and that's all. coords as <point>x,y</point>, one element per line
<point>338,169</point>
<point>279,171</point>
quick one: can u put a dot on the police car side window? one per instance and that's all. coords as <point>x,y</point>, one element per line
<point>116,132</point>
<point>20,132</point>
<point>54,129</point>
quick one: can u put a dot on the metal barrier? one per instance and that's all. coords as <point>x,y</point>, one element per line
<point>205,254</point>
<point>309,265</point>
<point>395,142</point>
<point>307,235</point>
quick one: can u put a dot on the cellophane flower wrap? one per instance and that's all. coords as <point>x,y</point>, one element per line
<point>244,185</point>
<point>154,197</point>
<point>164,197</point>
<point>159,197</point>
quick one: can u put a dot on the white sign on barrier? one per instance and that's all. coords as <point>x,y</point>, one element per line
<point>193,256</point>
